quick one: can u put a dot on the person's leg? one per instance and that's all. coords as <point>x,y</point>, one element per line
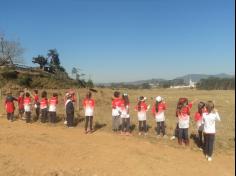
<point>158,128</point>
<point>8,116</point>
<point>86,123</point>
<point>123,124</point>
<point>37,111</point>
<point>140,126</point>
<point>206,149</point>
<point>180,136</point>
<point>91,123</point>
<point>186,139</point>
<point>117,123</point>
<point>11,116</point>
<point>211,144</point>
<point>113,123</point>
<point>128,125</point>
<point>145,126</point>
<point>200,143</point>
<point>162,128</point>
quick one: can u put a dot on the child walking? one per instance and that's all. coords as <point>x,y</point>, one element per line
<point>116,105</point>
<point>44,107</point>
<point>158,110</point>
<point>183,114</point>
<point>53,101</point>
<point>125,117</point>
<point>20,101</point>
<point>142,109</point>
<point>88,105</point>
<point>199,124</point>
<point>10,107</point>
<point>27,107</point>
<point>209,119</point>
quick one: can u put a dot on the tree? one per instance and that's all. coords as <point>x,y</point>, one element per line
<point>10,51</point>
<point>90,83</point>
<point>41,60</point>
<point>54,57</point>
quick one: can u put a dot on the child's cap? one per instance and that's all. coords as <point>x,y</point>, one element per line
<point>159,98</point>
<point>125,94</point>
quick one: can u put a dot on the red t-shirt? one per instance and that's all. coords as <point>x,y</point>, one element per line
<point>88,103</point>
<point>143,107</point>
<point>161,107</point>
<point>20,101</point>
<point>43,103</point>
<point>116,102</point>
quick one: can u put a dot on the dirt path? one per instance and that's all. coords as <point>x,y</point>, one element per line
<point>41,149</point>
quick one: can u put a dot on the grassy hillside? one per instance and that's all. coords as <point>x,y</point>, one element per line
<point>15,78</point>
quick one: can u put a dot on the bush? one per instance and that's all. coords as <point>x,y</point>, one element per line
<point>25,81</point>
<point>9,75</point>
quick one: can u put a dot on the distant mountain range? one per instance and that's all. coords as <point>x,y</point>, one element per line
<point>185,78</point>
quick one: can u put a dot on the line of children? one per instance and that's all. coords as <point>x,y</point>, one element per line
<point>205,117</point>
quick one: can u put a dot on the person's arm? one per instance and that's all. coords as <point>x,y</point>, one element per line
<point>217,115</point>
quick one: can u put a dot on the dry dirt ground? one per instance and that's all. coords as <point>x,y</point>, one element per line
<point>41,149</point>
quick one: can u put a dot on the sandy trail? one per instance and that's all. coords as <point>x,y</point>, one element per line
<point>41,149</point>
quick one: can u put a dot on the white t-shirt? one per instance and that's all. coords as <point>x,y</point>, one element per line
<point>184,121</point>
<point>160,117</point>
<point>209,121</point>
<point>88,111</point>
<point>142,115</point>
<point>116,111</point>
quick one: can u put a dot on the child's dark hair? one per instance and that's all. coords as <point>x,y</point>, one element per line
<point>36,91</point>
<point>157,103</point>
<point>126,99</point>
<point>209,106</point>
<point>55,94</point>
<point>201,105</point>
<point>180,104</point>
<point>139,102</point>
<point>44,94</point>
<point>27,94</point>
<point>116,94</point>
<point>88,95</point>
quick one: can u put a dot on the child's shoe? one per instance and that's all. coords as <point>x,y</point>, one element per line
<point>209,159</point>
<point>172,138</point>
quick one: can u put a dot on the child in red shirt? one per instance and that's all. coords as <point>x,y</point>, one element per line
<point>36,104</point>
<point>44,107</point>
<point>125,117</point>
<point>88,105</point>
<point>198,120</point>
<point>116,105</point>
<point>27,107</point>
<point>10,107</point>
<point>142,109</point>
<point>52,108</point>
<point>20,101</point>
<point>158,110</point>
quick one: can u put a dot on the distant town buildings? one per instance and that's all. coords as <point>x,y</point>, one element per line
<point>191,85</point>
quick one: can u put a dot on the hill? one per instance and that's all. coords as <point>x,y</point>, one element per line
<point>185,78</point>
<point>16,77</point>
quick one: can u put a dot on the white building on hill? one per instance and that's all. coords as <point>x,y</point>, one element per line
<point>191,85</point>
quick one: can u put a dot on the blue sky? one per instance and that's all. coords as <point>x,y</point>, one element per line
<point>126,40</point>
